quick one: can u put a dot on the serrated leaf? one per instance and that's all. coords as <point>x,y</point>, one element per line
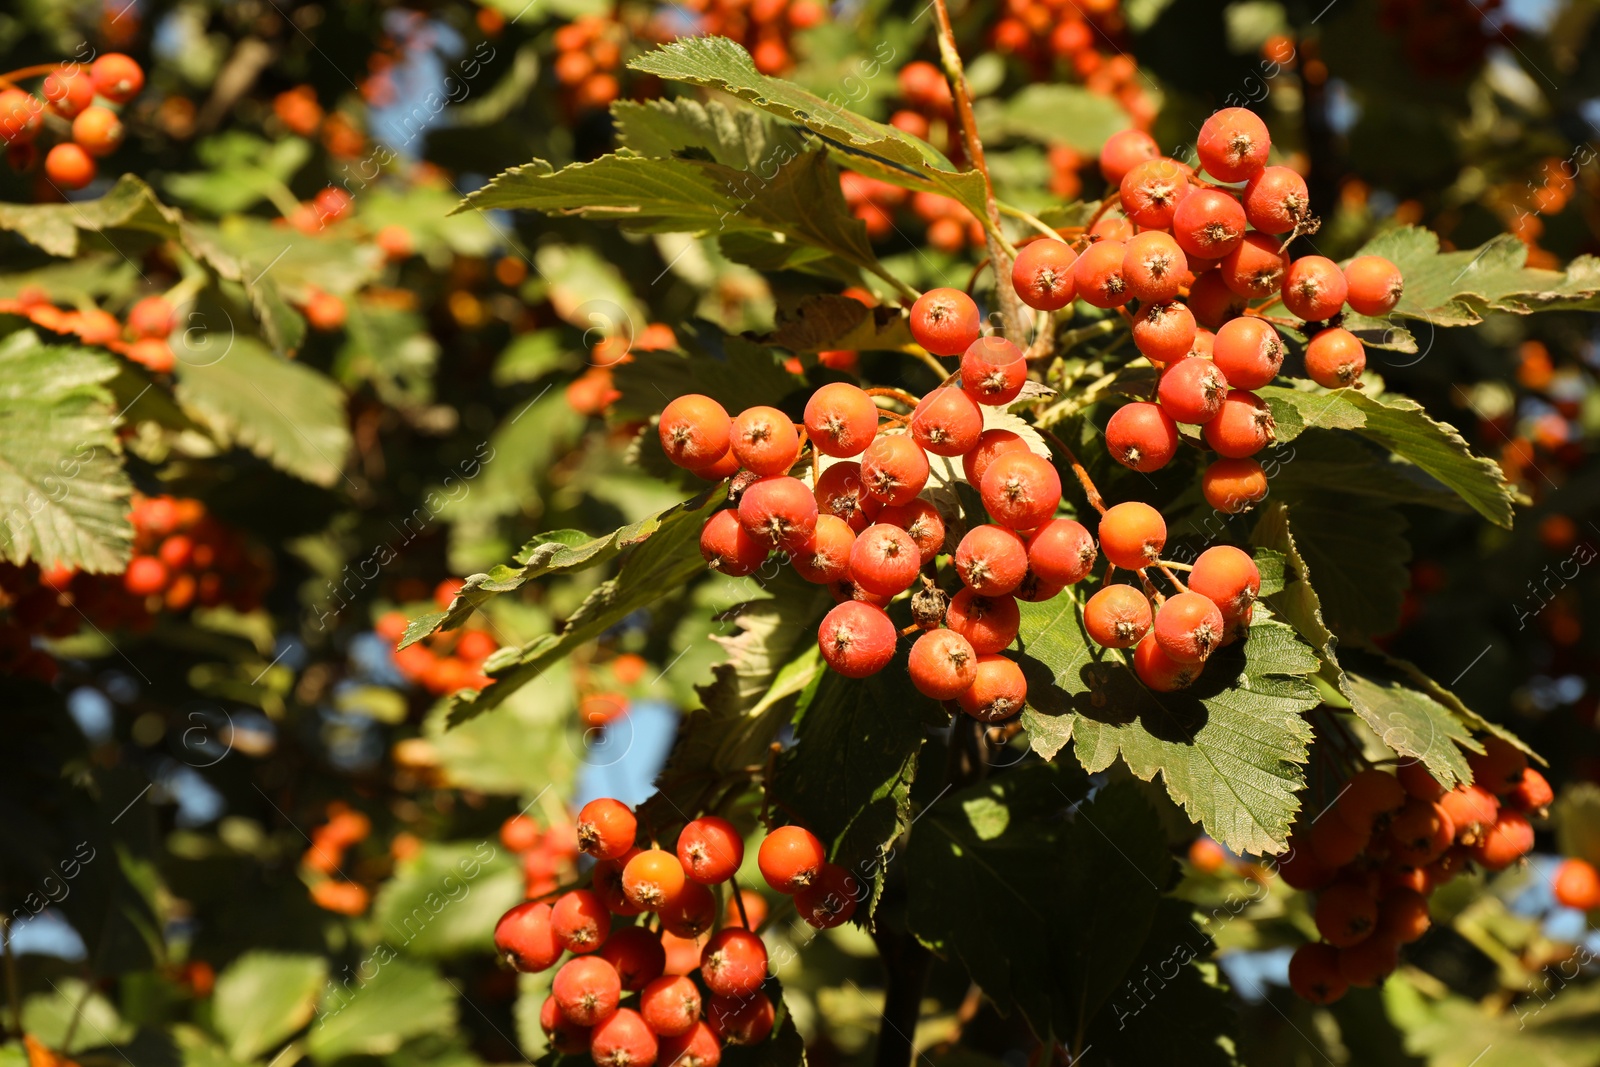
<point>1020,844</point>
<point>401,1000</point>
<point>1460,288</point>
<point>520,453</point>
<point>1402,426</point>
<point>873,148</point>
<point>390,348</point>
<point>1053,113</point>
<point>829,321</point>
<point>288,414</point>
<point>263,997</point>
<point>848,776</point>
<point>1449,1031</point>
<point>666,129</point>
<point>1230,749</point>
<point>1322,461</point>
<point>1358,550</point>
<point>445,900</point>
<point>531,744</point>
<point>664,563</point>
<point>63,489</point>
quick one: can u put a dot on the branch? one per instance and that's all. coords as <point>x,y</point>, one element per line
<point>1096,501</point>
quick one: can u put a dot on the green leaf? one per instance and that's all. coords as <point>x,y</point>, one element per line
<point>373,1016</point>
<point>1230,749</point>
<point>241,171</point>
<point>1358,551</point>
<point>801,202</point>
<point>873,148</point>
<point>521,451</point>
<point>1084,879</point>
<point>288,414</point>
<point>445,900</point>
<point>1577,820</point>
<point>63,490</point>
<point>1053,113</point>
<point>733,371</point>
<point>1460,288</point>
<point>667,129</point>
<point>530,356</point>
<point>390,348</point>
<point>830,321</point>
<point>848,776</point>
<point>532,744</point>
<point>664,563</point>
<point>1329,461</point>
<point>264,997</point>
<point>49,1016</point>
<point>1549,1030</point>
<point>55,228</point>
<point>1401,425</point>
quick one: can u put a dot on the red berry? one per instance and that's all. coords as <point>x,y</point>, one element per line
<point>825,555</point>
<point>1242,427</point>
<point>606,828</point>
<point>1234,485</point>
<point>1118,616</point>
<point>1212,302</point>
<point>671,1005</point>
<point>1413,774</point>
<point>151,317</point>
<point>831,897</point>
<point>652,879</point>
<point>1346,913</point>
<point>526,939</point>
<point>637,955</point>
<point>1276,200</point>
<point>1375,285</point>
<point>1164,332</point>
<point>710,850</point>
<point>840,493</point>
<point>587,990</point>
<point>1021,490</point>
<point>1042,274</point>
<point>921,520</point>
<point>1577,885</point>
<point>841,419</point>
<point>1229,578</point>
<point>1142,436</point>
<point>1403,915</point>
<point>1419,832</point>
<point>727,548</point>
<point>993,371</point>
<point>695,1047</point>
<point>1233,145</point>
<point>997,692</point>
<point>1255,268</point>
<point>21,115</point>
<point>1154,267</point>
<point>1189,627</point>
<point>992,444</point>
<point>856,639</point>
<point>1152,190</point>
<point>1132,534</point>
<point>691,913</point>
<point>622,1040</point>
<point>518,833</point>
<point>942,664</point>
<point>988,623</point>
<point>1061,552</point>
<point>741,1020</point>
<point>778,511</point>
<point>991,560</point>
<point>1098,275</point>
<point>116,77</point>
<point>695,431</point>
<point>734,962</point>
<point>1335,359</point>
<point>944,321</point>
<point>146,576</point>
<point>884,560</point>
<point>1249,352</point>
<point>69,166</point>
<point>1500,767</point>
<point>1125,150</point>
<point>1159,671</point>
<point>1314,288</point>
<point>1208,224</point>
<point>1532,794</point>
<point>69,90</point>
<point>1314,973</point>
<point>765,441</point>
<point>894,468</point>
<point>98,130</point>
<point>580,921</point>
<point>565,1037</point>
<point>789,858</point>
<point>947,422</point>
<point>1470,807</point>
<point>1192,390</point>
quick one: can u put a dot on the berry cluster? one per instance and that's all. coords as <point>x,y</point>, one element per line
<point>447,660</point>
<point>330,890</point>
<point>589,56</point>
<point>66,96</point>
<point>300,112</point>
<point>143,339</point>
<point>765,28</point>
<point>1386,843</point>
<point>547,856</point>
<point>1082,36</point>
<point>675,1019</point>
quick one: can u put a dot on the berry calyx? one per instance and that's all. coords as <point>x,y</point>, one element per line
<point>622,1040</point>
<point>1375,285</point>
<point>697,1046</point>
<point>733,963</point>
<point>116,77</point>
<point>991,560</point>
<point>1242,426</point>
<point>1314,973</point>
<point>98,130</point>
<point>587,990</point>
<point>1097,274</point>
<point>1254,268</point>
<point>942,664</point>
<point>1229,578</point>
<point>991,445</point>
<point>894,468</point>
<point>1276,200</point>
<point>1061,552</point>
<point>856,639</point>
<point>525,939</point>
<point>884,560</point>
<point>1314,288</point>
<point>1208,224</point>
<point>1154,267</point>
<point>1233,144</point>
<point>670,1005</point>
<point>1192,390</point>
<point>1189,627</point>
<point>944,321</point>
<point>989,623</point>
<point>831,897</point>
<point>652,879</point>
<point>637,955</point>
<point>691,913</point>
<point>580,921</point>
<point>840,493</point>
<point>1159,671</point>
<point>1152,190</point>
<point>1142,436</point>
<point>779,512</point>
<point>728,548</point>
<point>922,521</point>
<point>825,555</point>
<point>765,441</point>
<point>1249,352</point>
<point>1164,332</point>
<point>1346,912</point>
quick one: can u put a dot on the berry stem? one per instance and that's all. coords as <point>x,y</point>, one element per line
<point>1032,220</point>
<point>1175,566</point>
<point>1001,252</point>
<point>738,900</point>
<point>1096,501</point>
<point>1085,333</point>
<point>38,70</point>
<point>766,788</point>
<point>1105,205</point>
<point>899,394</point>
<point>1173,578</point>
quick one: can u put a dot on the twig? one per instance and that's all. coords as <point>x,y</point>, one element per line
<point>1173,578</point>
<point>766,789</point>
<point>1037,223</point>
<point>1096,501</point>
<point>738,902</point>
<point>899,394</point>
